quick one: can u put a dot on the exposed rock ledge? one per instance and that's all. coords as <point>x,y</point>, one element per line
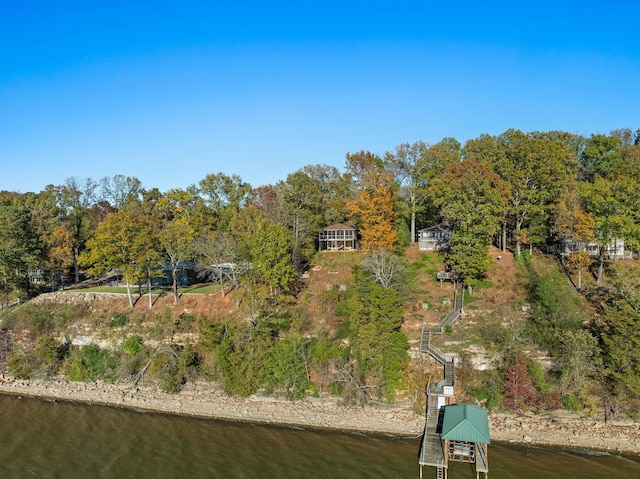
<point>203,400</point>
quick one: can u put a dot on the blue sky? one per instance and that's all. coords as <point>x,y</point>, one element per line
<point>171,91</point>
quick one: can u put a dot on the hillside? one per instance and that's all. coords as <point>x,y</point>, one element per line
<point>496,302</point>
<point>496,322</point>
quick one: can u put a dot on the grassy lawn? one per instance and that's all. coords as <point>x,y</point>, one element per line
<point>195,289</point>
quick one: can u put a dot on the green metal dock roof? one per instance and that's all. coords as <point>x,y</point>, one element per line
<point>464,422</point>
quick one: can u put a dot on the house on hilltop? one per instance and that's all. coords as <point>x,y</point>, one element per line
<point>338,237</point>
<point>614,250</point>
<point>434,238</point>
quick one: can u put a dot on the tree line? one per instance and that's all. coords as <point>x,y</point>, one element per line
<point>518,190</point>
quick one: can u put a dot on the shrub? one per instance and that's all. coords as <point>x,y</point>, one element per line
<point>241,358</point>
<point>571,403</point>
<point>166,371</point>
<point>211,333</point>
<point>483,284</point>
<point>46,349</point>
<point>89,363</point>
<point>342,332</point>
<point>489,392</point>
<point>343,308</point>
<point>335,388</point>
<point>287,367</point>
<point>133,345</point>
<point>20,365</point>
<point>118,320</point>
<point>49,353</point>
<point>550,401</point>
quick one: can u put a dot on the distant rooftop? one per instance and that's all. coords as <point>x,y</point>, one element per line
<point>338,226</point>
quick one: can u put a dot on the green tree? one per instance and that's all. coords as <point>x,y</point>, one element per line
<point>302,206</point>
<point>621,345</point>
<point>223,195</point>
<point>410,168</point>
<point>20,246</point>
<point>76,199</point>
<point>536,169</point>
<point>54,235</point>
<point>378,344</point>
<point>288,368</point>
<point>605,200</point>
<point>119,190</point>
<point>270,255</point>
<point>470,200</point>
<point>485,149</point>
<point>242,357</point>
<point>335,188</point>
<point>598,157</point>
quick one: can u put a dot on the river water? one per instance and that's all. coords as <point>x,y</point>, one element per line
<point>44,439</point>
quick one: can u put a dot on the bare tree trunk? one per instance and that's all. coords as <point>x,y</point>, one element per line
<point>174,275</point>
<point>600,266</point>
<point>76,268</point>
<point>504,237</point>
<point>580,279</point>
<point>413,225</point>
<point>149,285</point>
<point>129,295</point>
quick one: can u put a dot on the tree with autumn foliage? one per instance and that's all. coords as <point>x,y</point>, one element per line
<point>60,252</point>
<point>119,243</point>
<point>176,239</point>
<point>571,223</point>
<point>372,203</point>
<point>519,390</point>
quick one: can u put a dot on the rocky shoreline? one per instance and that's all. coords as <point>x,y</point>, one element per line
<point>204,400</point>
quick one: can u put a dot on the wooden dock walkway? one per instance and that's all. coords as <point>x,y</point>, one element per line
<point>432,451</point>
<point>481,460</point>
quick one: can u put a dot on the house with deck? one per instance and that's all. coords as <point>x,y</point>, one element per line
<point>434,238</point>
<point>614,251</point>
<point>338,237</point>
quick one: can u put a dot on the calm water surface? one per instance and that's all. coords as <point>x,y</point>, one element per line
<point>41,439</point>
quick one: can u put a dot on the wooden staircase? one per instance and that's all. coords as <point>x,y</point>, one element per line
<point>432,451</point>
<point>425,339</point>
